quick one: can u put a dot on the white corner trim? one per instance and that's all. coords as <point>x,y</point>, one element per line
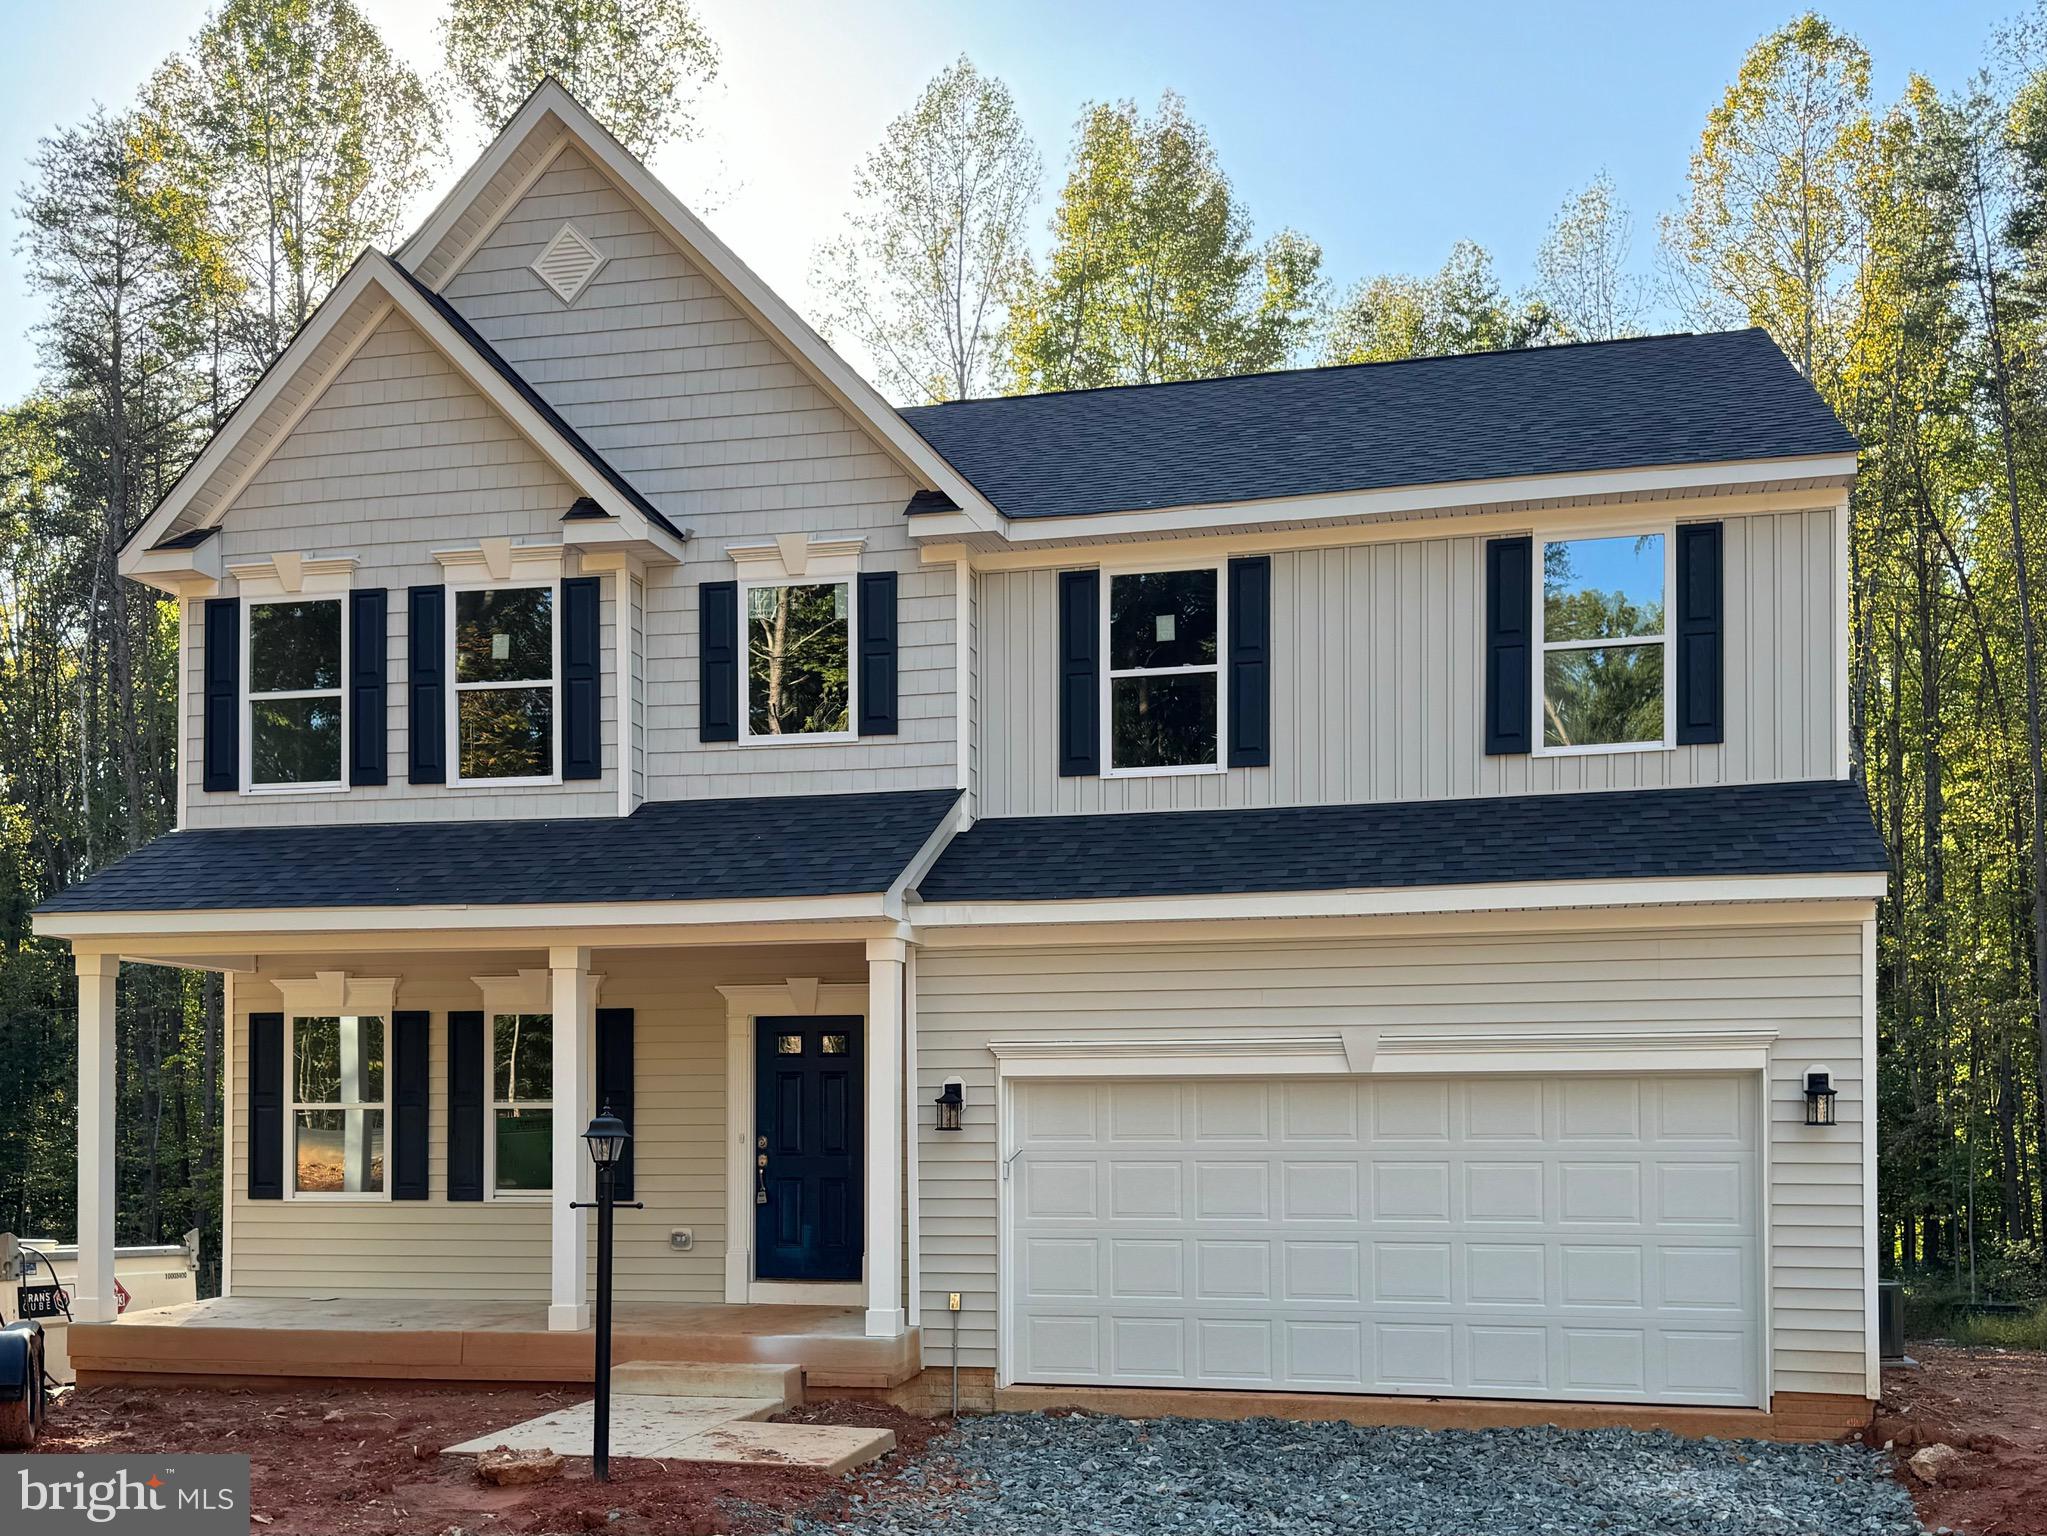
<point>528,990</point>
<point>326,993</point>
<point>499,559</point>
<point>568,262</point>
<point>1865,1109</point>
<point>794,556</point>
<point>293,574</point>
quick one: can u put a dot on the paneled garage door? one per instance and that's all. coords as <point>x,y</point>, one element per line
<point>1588,1238</point>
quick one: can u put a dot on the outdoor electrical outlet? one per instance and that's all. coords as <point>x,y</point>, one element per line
<point>952,1301</point>
<point>682,1239</point>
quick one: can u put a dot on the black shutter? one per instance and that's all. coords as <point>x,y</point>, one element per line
<point>426,716</point>
<point>465,1106</point>
<point>1080,700</point>
<point>718,660</point>
<point>1250,662</point>
<point>410,1050</point>
<point>266,1106</point>
<point>1509,637</point>
<point>615,1081</point>
<point>368,645</point>
<point>1701,610</point>
<point>877,608</point>
<point>582,679</point>
<point>222,714</point>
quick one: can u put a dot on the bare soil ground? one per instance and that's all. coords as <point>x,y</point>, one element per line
<point>1989,1403</point>
<point>347,1461</point>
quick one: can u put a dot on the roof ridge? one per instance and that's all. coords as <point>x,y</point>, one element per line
<point>1334,368</point>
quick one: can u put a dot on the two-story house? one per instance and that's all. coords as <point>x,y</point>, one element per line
<point>1338,882</point>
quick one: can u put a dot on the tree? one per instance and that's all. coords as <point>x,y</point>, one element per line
<point>1581,270</point>
<point>937,246</point>
<point>1153,275</point>
<point>1462,308</point>
<point>305,139</point>
<point>635,64</point>
<point>1767,234</point>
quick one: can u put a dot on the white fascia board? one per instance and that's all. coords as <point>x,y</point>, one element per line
<point>535,919</point>
<point>1702,481</point>
<point>1405,901</point>
<point>739,283</point>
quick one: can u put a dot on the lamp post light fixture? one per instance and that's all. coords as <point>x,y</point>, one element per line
<point>606,1138</point>
<point>1820,1095</point>
<point>948,1103</point>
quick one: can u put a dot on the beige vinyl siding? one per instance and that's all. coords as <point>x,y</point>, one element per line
<point>399,457</point>
<point>1806,982</point>
<point>1379,674</point>
<point>720,428</point>
<point>498,1250</point>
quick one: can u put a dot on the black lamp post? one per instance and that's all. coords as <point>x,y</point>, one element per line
<point>606,1137</point>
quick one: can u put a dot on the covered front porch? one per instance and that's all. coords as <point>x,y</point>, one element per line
<point>237,1340</point>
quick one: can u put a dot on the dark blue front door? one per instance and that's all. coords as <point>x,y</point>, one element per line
<point>807,1157</point>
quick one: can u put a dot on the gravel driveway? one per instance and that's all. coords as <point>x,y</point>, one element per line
<point>1033,1475</point>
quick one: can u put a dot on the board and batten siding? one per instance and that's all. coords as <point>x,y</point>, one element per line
<point>715,424</point>
<point>399,457</point>
<point>1378,682</point>
<point>1805,981</point>
<point>497,1250</point>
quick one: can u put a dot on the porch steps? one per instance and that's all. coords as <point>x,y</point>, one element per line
<point>714,1378</point>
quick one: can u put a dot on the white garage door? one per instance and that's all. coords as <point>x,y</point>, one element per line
<point>1589,1238</point>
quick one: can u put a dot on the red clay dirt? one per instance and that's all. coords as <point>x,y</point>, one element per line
<point>1989,1403</point>
<point>352,1462</point>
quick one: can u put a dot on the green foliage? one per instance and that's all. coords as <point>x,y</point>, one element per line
<point>633,63</point>
<point>1461,309</point>
<point>1153,275</point>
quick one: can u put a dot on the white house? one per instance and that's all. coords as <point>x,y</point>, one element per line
<point>1370,853</point>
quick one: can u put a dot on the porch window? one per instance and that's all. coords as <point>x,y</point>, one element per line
<point>522,1103</point>
<point>505,676</point>
<point>1604,674</point>
<point>1164,682</point>
<point>294,683</point>
<point>799,667</point>
<point>339,1104</point>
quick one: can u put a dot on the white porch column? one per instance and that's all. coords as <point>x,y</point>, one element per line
<point>885,961</point>
<point>574,992</point>
<point>93,1291</point>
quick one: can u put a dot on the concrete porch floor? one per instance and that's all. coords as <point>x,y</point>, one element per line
<point>250,1340</point>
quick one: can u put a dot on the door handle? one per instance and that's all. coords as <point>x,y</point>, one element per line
<point>760,1176</point>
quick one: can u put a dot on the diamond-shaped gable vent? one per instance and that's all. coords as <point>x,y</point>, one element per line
<point>568,262</point>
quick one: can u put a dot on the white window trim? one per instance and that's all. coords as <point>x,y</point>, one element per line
<point>307,1007</point>
<point>747,587</point>
<point>1221,671</point>
<point>249,786</point>
<point>491,1106</point>
<point>1664,638</point>
<point>456,688</point>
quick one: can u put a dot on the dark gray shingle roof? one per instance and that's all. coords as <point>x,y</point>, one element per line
<point>691,850</point>
<point>1547,410</point>
<point>1812,828</point>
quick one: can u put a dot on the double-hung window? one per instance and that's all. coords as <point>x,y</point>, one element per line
<point>521,1141</point>
<point>799,660</point>
<point>506,695</point>
<point>1603,641</point>
<point>1163,682</point>
<point>339,1104</point>
<point>295,680</point>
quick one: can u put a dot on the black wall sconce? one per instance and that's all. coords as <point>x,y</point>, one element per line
<point>948,1103</point>
<point>1820,1095</point>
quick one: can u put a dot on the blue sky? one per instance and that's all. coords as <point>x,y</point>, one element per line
<point>1384,131</point>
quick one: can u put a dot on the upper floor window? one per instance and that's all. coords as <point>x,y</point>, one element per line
<point>339,1105</point>
<point>521,1143</point>
<point>505,685</point>
<point>294,681</point>
<point>799,659</point>
<point>1164,684</point>
<point>1603,637</point>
